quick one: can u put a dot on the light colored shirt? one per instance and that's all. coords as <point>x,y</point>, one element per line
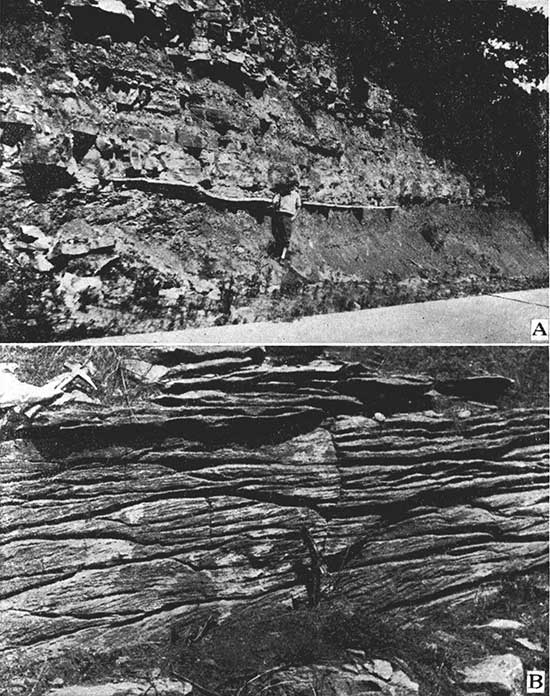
<point>289,203</point>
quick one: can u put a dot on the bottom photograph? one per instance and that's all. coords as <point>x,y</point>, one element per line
<point>273,521</point>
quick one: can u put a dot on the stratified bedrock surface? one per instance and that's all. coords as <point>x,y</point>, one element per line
<point>118,523</point>
<point>140,144</point>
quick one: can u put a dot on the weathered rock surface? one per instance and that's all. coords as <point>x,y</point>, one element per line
<point>118,522</point>
<point>496,674</point>
<point>198,78</point>
<point>350,680</point>
<point>196,111</point>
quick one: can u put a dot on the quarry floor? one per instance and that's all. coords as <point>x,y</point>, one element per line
<point>498,318</point>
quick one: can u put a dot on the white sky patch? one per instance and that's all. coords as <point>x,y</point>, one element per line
<point>529,86</point>
<point>497,45</point>
<point>541,5</point>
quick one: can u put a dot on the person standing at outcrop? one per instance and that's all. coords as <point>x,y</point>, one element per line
<point>286,205</point>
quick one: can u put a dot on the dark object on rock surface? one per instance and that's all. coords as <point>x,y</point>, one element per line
<point>483,388</point>
<point>15,126</point>
<point>432,235</point>
<point>223,120</point>
<point>84,137</point>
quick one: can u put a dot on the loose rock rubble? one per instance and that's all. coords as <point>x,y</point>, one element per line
<point>366,677</point>
<point>46,253</point>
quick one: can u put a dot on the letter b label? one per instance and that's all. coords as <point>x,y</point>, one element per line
<point>535,682</point>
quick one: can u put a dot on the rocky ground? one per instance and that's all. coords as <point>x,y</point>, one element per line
<point>287,522</point>
<point>140,142</point>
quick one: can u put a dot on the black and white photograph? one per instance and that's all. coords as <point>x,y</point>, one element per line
<point>274,362</point>
<point>280,521</point>
<point>299,171</point>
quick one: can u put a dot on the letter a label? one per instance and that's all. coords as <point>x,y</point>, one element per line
<point>539,329</point>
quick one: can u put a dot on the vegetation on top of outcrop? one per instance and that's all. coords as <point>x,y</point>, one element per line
<point>527,366</point>
<point>38,365</point>
<point>462,66</point>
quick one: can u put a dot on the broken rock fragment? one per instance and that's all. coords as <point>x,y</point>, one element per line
<point>92,19</point>
<point>143,371</point>
<point>78,292</point>
<point>529,645</point>
<point>61,88</point>
<point>17,394</point>
<point>497,674</point>
<point>79,238</point>
<point>41,264</point>
<point>32,234</point>
<point>190,141</point>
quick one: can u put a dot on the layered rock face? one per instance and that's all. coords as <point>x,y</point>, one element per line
<point>196,92</point>
<point>197,110</point>
<point>244,485</point>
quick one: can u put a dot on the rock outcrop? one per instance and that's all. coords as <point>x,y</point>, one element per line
<point>203,499</point>
<point>200,94</point>
<point>195,109</point>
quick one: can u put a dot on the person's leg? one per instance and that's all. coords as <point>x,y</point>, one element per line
<point>287,234</point>
<point>274,233</point>
<point>278,233</point>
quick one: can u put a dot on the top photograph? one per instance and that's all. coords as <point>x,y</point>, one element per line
<point>274,171</point>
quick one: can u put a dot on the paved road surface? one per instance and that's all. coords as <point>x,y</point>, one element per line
<point>499,318</point>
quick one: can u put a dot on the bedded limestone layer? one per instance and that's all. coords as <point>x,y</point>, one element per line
<point>116,523</point>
